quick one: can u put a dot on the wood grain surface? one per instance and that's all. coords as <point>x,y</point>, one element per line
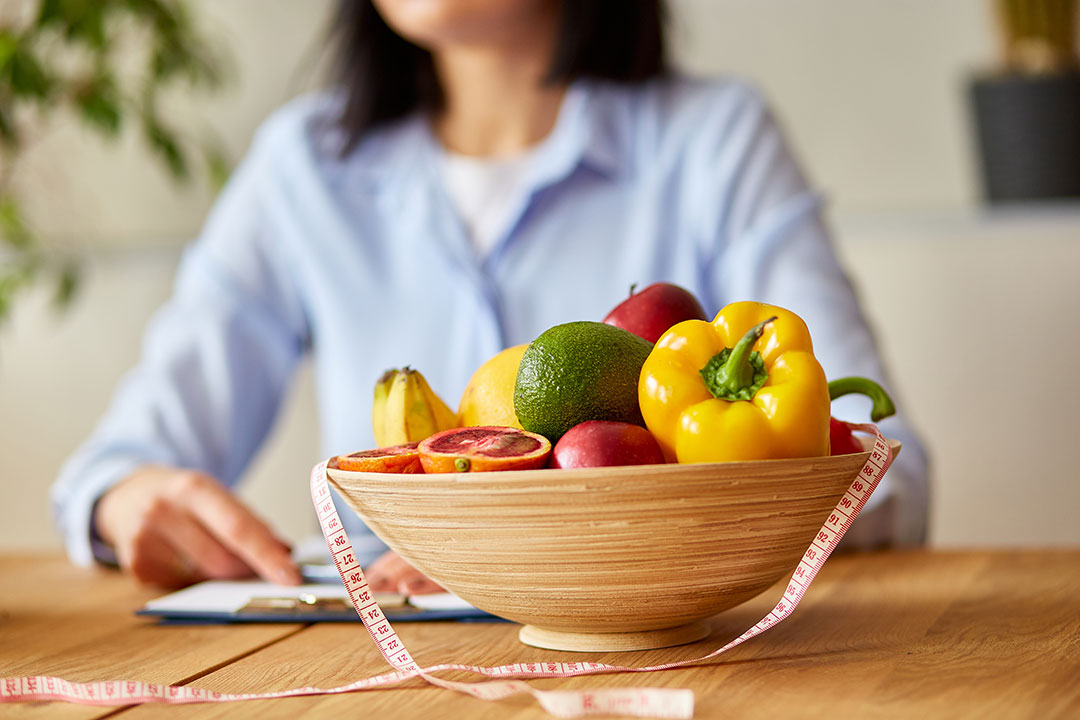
<point>889,635</point>
<point>78,624</point>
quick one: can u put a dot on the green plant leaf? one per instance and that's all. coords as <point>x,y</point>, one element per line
<point>51,11</point>
<point>163,141</point>
<point>9,135</point>
<point>90,27</point>
<point>218,168</point>
<point>7,294</point>
<point>99,105</point>
<point>166,61</point>
<point>80,21</point>
<point>28,76</point>
<point>33,70</point>
<point>178,51</point>
<point>13,230</point>
<point>67,284</point>
<point>8,45</point>
<point>161,14</point>
<point>15,276</point>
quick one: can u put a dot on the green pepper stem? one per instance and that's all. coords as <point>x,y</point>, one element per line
<point>882,404</point>
<point>737,373</point>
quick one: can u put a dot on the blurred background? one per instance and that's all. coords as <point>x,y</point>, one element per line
<point>941,137</point>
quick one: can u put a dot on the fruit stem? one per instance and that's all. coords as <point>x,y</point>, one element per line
<point>737,373</point>
<point>882,404</point>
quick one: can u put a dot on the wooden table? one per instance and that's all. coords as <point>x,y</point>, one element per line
<point>906,635</point>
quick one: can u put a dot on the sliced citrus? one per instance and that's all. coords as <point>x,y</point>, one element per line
<point>484,449</point>
<point>394,459</point>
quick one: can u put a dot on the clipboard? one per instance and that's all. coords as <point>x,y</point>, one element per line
<point>217,602</point>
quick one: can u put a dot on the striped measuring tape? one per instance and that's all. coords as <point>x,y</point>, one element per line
<point>508,679</point>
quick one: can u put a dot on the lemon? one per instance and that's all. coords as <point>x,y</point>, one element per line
<point>489,397</point>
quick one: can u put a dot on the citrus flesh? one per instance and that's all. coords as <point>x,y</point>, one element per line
<point>395,459</point>
<point>484,449</point>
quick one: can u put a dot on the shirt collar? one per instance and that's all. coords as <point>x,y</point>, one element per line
<point>587,132</point>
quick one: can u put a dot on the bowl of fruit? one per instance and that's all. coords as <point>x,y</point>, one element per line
<point>608,492</point>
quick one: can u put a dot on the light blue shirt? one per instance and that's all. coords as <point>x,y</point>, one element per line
<point>362,262</point>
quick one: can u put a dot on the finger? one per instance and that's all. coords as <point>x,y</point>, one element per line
<point>414,582</point>
<point>151,560</point>
<point>382,575</point>
<point>199,548</point>
<point>392,573</point>
<point>238,529</point>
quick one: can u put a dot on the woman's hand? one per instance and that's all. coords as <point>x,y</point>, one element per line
<point>392,574</point>
<point>173,527</point>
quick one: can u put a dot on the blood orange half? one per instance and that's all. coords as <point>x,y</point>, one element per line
<point>484,449</point>
<point>394,459</point>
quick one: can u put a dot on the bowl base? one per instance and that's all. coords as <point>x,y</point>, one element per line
<point>613,642</point>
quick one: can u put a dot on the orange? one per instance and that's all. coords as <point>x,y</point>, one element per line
<point>489,397</point>
<point>484,449</point>
<point>395,459</point>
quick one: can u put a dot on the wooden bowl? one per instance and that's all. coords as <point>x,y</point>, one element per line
<point>619,558</point>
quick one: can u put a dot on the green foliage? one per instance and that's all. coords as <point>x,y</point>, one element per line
<point>12,227</point>
<point>99,104</point>
<point>105,95</point>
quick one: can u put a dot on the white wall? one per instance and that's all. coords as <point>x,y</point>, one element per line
<point>977,314</point>
<point>870,90</point>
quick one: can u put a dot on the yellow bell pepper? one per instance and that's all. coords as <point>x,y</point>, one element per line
<point>744,387</point>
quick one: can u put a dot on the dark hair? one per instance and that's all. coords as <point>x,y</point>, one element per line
<point>386,77</point>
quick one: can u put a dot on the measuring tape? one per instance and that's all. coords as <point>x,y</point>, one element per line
<point>641,702</point>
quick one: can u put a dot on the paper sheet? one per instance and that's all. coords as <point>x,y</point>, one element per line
<point>221,596</point>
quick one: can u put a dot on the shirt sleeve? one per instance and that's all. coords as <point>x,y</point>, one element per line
<point>215,363</point>
<point>774,247</point>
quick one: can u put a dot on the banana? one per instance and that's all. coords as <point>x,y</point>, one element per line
<point>378,405</point>
<point>445,418</point>
<point>398,402</point>
<point>411,410</point>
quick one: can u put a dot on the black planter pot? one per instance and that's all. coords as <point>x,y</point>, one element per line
<point>1028,129</point>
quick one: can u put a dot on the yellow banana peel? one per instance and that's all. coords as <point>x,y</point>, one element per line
<point>378,405</point>
<point>405,409</point>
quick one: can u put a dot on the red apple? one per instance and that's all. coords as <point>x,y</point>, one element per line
<point>651,312</point>
<point>604,443</point>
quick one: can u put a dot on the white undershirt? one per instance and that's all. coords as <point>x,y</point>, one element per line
<point>484,192</point>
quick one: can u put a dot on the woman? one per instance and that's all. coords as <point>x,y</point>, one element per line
<point>487,170</point>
